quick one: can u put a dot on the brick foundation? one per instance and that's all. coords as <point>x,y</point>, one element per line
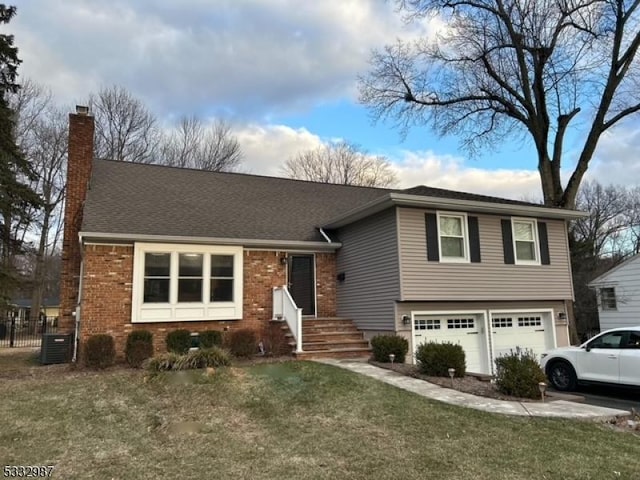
<point>108,283</point>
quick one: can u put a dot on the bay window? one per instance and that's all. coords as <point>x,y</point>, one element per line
<point>186,283</point>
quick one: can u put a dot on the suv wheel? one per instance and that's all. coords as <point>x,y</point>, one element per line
<point>562,376</point>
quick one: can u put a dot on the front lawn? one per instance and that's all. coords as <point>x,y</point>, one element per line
<point>295,420</point>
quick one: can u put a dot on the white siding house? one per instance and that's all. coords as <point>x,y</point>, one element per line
<point>618,292</point>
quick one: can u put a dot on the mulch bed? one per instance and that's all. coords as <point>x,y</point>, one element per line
<point>467,384</point>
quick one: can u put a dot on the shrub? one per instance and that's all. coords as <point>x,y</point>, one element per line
<point>179,341</point>
<point>209,357</point>
<point>242,343</point>
<point>275,340</point>
<point>139,347</point>
<point>161,363</point>
<point>435,359</point>
<point>384,345</point>
<point>519,374</point>
<point>210,338</point>
<point>100,351</point>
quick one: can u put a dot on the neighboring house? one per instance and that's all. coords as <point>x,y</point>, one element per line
<point>618,293</point>
<point>49,308</point>
<point>161,248</point>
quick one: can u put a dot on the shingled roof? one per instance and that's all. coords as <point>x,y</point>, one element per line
<point>138,199</point>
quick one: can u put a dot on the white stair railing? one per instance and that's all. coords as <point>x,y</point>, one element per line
<point>284,308</point>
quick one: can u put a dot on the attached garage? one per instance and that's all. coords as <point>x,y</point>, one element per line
<point>465,328</point>
<point>510,330</point>
<point>524,329</point>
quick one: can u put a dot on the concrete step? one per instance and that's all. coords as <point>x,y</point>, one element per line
<point>362,353</point>
<point>329,336</point>
<point>336,345</point>
<point>325,321</point>
<point>329,329</point>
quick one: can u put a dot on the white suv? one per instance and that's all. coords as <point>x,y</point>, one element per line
<point>610,357</point>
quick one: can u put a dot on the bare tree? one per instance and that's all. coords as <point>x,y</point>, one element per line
<point>599,242</point>
<point>125,129</point>
<point>42,134</point>
<point>342,163</point>
<point>192,144</point>
<point>502,67</point>
<point>610,229</point>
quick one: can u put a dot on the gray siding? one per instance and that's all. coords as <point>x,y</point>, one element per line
<point>369,260</point>
<point>626,281</point>
<point>491,279</point>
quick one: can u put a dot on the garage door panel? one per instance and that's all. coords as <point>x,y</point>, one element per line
<point>519,330</point>
<point>463,330</point>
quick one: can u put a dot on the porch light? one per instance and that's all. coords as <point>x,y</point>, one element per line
<point>406,319</point>
<point>283,260</point>
<point>543,387</point>
<point>452,372</point>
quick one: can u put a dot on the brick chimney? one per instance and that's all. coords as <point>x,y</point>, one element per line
<point>80,157</point>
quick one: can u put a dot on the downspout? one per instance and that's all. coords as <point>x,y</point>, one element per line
<point>77,313</point>
<point>326,237</point>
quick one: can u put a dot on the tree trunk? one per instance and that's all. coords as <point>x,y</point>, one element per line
<point>39,273</point>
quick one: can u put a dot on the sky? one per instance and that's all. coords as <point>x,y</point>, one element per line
<point>283,73</point>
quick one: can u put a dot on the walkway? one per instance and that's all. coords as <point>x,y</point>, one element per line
<point>557,408</point>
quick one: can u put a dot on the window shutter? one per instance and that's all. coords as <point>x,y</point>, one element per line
<point>432,237</point>
<point>474,239</point>
<point>544,243</point>
<point>507,242</point>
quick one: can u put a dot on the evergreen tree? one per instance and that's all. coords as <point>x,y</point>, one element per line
<point>16,196</point>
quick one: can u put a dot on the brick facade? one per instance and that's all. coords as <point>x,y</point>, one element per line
<point>81,128</point>
<point>108,283</point>
<point>326,284</point>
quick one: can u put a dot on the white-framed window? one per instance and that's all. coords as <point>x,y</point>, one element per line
<point>534,321</point>
<point>461,323</point>
<point>175,283</point>
<point>608,298</point>
<point>427,324</point>
<point>525,241</point>
<point>501,322</point>
<point>453,238</point>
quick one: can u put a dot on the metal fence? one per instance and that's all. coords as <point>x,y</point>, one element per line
<point>21,332</point>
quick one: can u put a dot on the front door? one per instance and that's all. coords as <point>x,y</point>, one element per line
<point>301,282</point>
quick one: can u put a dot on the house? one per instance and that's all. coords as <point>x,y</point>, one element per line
<point>161,248</point>
<point>49,308</point>
<point>618,294</point>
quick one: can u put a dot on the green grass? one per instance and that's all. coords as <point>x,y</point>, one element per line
<point>293,420</point>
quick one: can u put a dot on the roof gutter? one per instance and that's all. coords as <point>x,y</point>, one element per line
<point>403,199</point>
<point>245,242</point>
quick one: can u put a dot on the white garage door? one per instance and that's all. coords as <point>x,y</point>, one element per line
<point>465,330</point>
<point>522,330</point>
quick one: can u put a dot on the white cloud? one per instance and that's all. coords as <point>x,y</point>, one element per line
<point>267,147</point>
<point>617,159</point>
<point>250,58</point>
<point>446,171</point>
